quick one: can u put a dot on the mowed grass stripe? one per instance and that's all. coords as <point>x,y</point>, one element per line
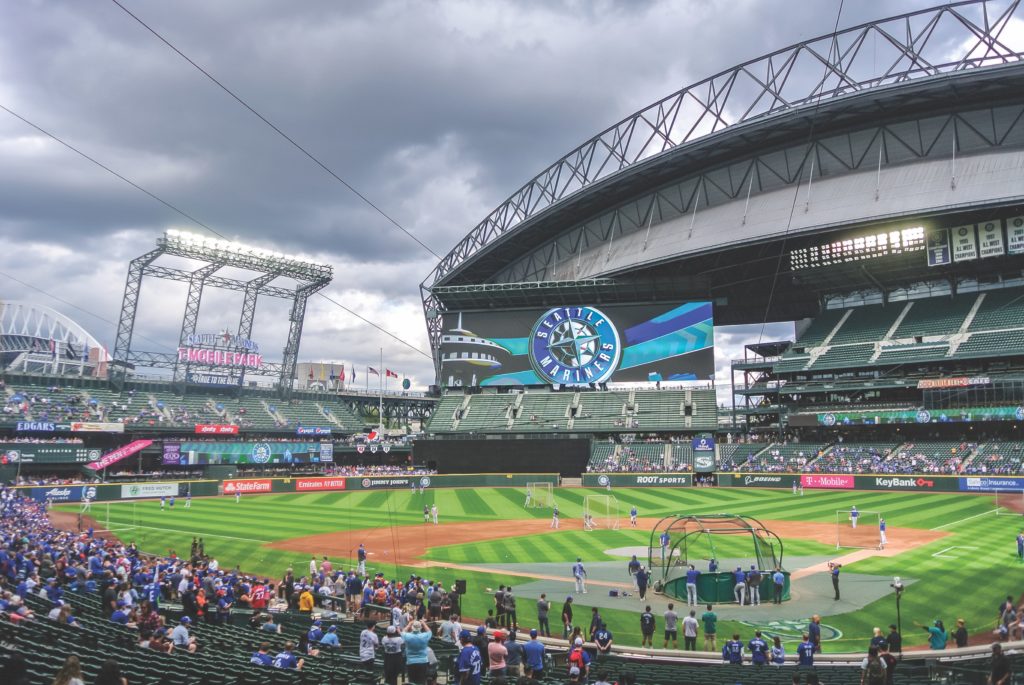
<point>472,503</point>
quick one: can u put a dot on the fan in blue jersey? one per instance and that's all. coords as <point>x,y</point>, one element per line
<point>758,649</point>
<point>470,662</point>
<point>262,657</point>
<point>286,659</point>
<point>732,651</point>
<point>805,651</point>
<point>580,575</point>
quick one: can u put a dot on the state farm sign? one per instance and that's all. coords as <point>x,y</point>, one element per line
<point>246,486</point>
<point>911,483</point>
<point>829,482</point>
<point>308,484</point>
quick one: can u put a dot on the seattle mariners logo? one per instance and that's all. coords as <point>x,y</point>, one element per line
<point>792,631</point>
<point>924,416</point>
<point>602,481</point>
<point>425,481</point>
<point>574,345</point>
<point>261,453</point>
<point>1019,414</point>
<point>829,419</point>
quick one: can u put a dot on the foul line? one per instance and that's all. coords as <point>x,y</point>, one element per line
<point>947,525</point>
<point>942,552</point>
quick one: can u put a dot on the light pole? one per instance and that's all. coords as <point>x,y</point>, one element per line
<point>897,586</point>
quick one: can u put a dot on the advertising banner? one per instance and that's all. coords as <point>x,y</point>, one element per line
<point>119,454</point>
<point>990,484</point>
<point>46,453</point>
<point>247,486</point>
<point>311,484</point>
<point>216,429</point>
<point>952,382</point>
<point>313,430</point>
<point>36,426</point>
<point>62,493</point>
<point>142,490</point>
<point>764,480</point>
<point>96,427</point>
<point>631,480</point>
<point>826,481</point>
<point>903,483</point>
<point>578,344</point>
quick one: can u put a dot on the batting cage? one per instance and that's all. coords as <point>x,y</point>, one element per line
<point>540,495</point>
<point>731,539</point>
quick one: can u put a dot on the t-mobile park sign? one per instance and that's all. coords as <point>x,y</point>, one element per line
<point>201,348</point>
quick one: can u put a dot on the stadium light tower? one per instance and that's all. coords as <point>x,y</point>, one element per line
<point>235,352</point>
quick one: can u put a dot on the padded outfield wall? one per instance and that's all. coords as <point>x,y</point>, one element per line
<point>815,481</point>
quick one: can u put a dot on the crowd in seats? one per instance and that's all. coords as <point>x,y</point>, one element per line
<point>52,404</point>
<point>784,457</point>
<point>853,458</point>
<point>936,457</point>
<point>997,457</point>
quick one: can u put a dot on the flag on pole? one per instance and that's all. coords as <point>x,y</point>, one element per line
<point>341,375</point>
<point>353,373</point>
<point>370,369</point>
<point>332,371</point>
<point>388,373</point>
<point>310,372</point>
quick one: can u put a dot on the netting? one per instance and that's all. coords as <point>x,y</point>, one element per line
<point>1009,502</point>
<point>540,495</point>
<point>600,511</point>
<point>865,535</point>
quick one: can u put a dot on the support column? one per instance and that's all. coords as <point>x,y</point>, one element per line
<point>126,323</point>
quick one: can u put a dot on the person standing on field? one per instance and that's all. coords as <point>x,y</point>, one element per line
<point>647,628</point>
<point>554,517</point>
<point>854,515</point>
<point>690,628</point>
<point>433,512</point>
<point>671,632</point>
<point>543,608</point>
<point>710,619</point>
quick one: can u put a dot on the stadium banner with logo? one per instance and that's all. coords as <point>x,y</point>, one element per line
<point>990,483</point>
<point>313,430</point>
<point>263,452</point>
<point>703,447</point>
<point>38,427</point>
<point>637,480</point>
<point>120,453</point>
<point>842,481</point>
<point>1015,235</point>
<point>312,484</point>
<point>145,490</point>
<point>990,239</point>
<point>61,493</point>
<point>965,243</point>
<point>938,247</point>
<point>96,427</point>
<point>232,487</point>
<point>46,453</point>
<point>952,382</point>
<point>881,417</point>
<point>216,429</point>
<point>578,344</point>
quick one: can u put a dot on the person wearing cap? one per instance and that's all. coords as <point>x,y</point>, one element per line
<point>514,657</point>
<point>224,605</point>
<point>575,674</point>
<point>394,660</point>
<point>180,637</point>
<point>579,573</point>
<point>579,658</point>
<point>533,652</point>
<point>470,662</point>
<point>313,637</point>
<point>330,638</point>
<point>937,635</point>
<point>416,638</point>
<point>120,616</point>
<point>496,655</point>
<point>567,618</point>
<point>543,607</point>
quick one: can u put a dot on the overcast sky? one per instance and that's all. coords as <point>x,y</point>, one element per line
<point>436,111</point>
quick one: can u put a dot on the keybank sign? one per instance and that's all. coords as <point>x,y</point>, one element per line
<point>905,483</point>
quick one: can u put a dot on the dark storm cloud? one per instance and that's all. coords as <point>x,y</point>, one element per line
<point>436,111</point>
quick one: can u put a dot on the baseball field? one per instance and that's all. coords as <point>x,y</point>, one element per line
<point>957,558</point>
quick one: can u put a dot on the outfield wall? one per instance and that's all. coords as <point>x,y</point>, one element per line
<point>503,454</point>
<point>110,492</point>
<point>814,481</point>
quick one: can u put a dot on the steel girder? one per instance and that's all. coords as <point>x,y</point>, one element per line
<point>184,276</point>
<point>126,322</point>
<point>917,45</point>
<point>245,321</point>
<point>291,348</point>
<point>188,322</point>
<point>169,360</point>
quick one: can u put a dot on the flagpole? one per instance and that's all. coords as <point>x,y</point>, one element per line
<point>380,405</point>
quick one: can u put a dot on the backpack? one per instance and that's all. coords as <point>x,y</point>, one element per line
<point>875,672</point>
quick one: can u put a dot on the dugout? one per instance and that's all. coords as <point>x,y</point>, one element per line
<point>692,540</point>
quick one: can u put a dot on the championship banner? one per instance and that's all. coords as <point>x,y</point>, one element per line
<point>1015,235</point>
<point>965,243</point>
<point>94,427</point>
<point>938,247</point>
<point>246,486</point>
<point>990,239</point>
<point>313,484</point>
<point>119,454</point>
<point>216,429</point>
<point>144,490</point>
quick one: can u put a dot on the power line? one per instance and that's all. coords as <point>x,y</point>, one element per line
<point>277,130</point>
<point>183,213</point>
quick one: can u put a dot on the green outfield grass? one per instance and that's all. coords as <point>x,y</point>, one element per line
<point>967,583</point>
